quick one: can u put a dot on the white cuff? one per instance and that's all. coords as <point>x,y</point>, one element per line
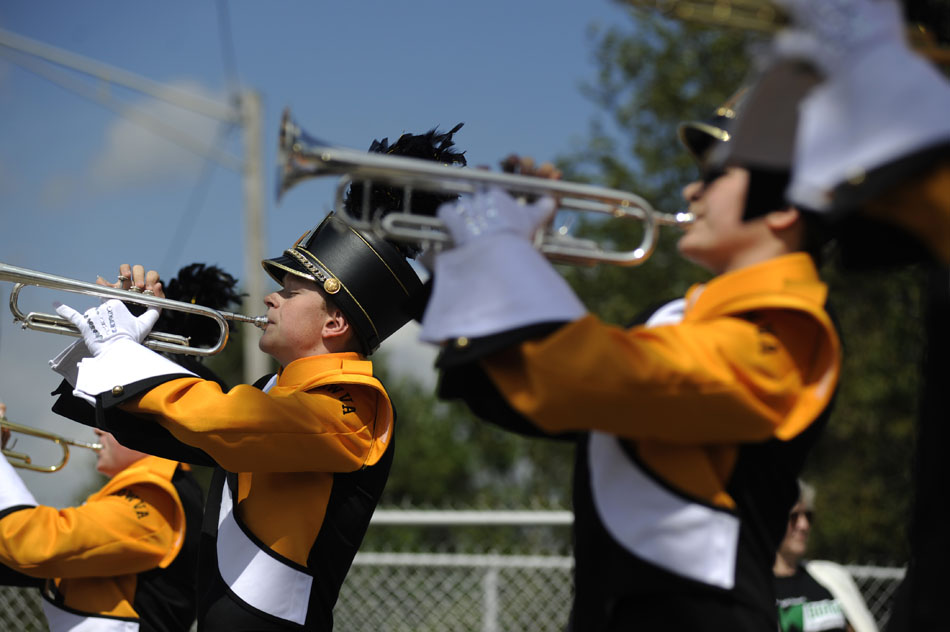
<point>67,362</point>
<point>493,284</point>
<point>850,124</point>
<point>122,362</point>
<point>13,491</point>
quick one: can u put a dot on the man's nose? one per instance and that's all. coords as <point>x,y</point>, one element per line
<point>692,191</point>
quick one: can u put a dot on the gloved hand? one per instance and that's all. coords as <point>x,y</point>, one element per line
<point>109,323</point>
<point>879,101</point>
<point>493,211</point>
<point>493,279</point>
<point>870,103</point>
<point>832,34</point>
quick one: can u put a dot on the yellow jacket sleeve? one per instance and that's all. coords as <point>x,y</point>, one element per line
<point>335,423</point>
<point>129,530</point>
<point>674,383</point>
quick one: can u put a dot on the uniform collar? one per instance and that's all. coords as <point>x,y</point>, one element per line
<point>793,275</point>
<point>318,366</point>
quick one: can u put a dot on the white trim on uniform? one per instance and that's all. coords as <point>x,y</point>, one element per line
<point>687,538</point>
<point>60,620</point>
<point>258,578</point>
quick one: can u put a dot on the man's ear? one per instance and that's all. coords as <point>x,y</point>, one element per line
<point>335,325</point>
<point>782,219</point>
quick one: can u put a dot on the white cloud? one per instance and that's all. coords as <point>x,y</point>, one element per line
<point>133,154</point>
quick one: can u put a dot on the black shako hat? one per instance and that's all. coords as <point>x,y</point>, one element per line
<point>368,277</point>
<point>766,186</point>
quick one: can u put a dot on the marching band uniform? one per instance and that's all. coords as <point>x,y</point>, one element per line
<point>690,430</point>
<point>287,509</point>
<point>124,560</point>
<point>688,491</point>
<point>302,455</point>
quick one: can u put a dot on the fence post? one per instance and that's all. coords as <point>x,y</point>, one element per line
<point>490,603</point>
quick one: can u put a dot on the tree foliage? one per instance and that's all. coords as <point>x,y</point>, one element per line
<point>446,457</point>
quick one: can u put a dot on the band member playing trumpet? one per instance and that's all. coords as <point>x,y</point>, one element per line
<point>125,559</point>
<point>304,454</point>
<point>691,428</point>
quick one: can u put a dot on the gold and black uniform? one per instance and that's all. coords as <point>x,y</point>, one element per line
<point>691,432</point>
<point>123,560</point>
<point>303,460</point>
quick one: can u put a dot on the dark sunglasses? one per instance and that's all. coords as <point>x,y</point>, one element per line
<point>793,517</point>
<point>712,174</point>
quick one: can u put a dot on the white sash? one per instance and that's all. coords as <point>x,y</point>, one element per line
<point>650,521</point>
<point>256,576</point>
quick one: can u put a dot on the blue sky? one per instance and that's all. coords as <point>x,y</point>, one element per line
<point>83,189</point>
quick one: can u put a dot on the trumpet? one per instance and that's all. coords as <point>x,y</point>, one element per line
<point>755,15</point>
<point>159,341</point>
<point>302,157</point>
<point>24,461</point>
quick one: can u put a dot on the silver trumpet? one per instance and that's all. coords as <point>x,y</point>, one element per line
<point>302,157</point>
<point>171,343</point>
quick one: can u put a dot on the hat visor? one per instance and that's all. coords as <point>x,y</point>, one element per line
<point>699,137</point>
<point>279,267</point>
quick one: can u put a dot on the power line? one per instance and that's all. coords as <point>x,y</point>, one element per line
<point>228,56</point>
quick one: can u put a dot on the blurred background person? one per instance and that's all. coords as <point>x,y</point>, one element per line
<point>815,595</point>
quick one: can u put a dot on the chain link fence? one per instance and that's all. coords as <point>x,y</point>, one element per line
<point>471,571</point>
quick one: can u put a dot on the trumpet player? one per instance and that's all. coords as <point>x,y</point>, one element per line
<point>690,428</point>
<point>303,455</point>
<point>125,559</point>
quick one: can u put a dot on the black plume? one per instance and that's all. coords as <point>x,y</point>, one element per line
<point>198,284</point>
<point>384,199</point>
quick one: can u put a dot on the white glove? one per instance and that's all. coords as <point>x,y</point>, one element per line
<point>880,100</point>
<point>493,279</point>
<point>108,323</point>
<point>834,34</point>
<point>494,211</point>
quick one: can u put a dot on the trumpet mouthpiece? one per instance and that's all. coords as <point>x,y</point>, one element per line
<point>684,218</point>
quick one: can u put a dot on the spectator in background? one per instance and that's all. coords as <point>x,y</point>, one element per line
<point>816,595</point>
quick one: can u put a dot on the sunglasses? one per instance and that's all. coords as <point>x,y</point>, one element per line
<point>795,515</point>
<point>712,174</point>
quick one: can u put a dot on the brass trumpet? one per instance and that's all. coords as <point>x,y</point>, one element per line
<point>302,157</point>
<point>24,461</point>
<point>755,15</point>
<point>159,341</point>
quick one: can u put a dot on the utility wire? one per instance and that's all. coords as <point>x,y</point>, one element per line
<point>228,56</point>
<point>189,217</point>
<point>196,202</point>
<point>132,113</point>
